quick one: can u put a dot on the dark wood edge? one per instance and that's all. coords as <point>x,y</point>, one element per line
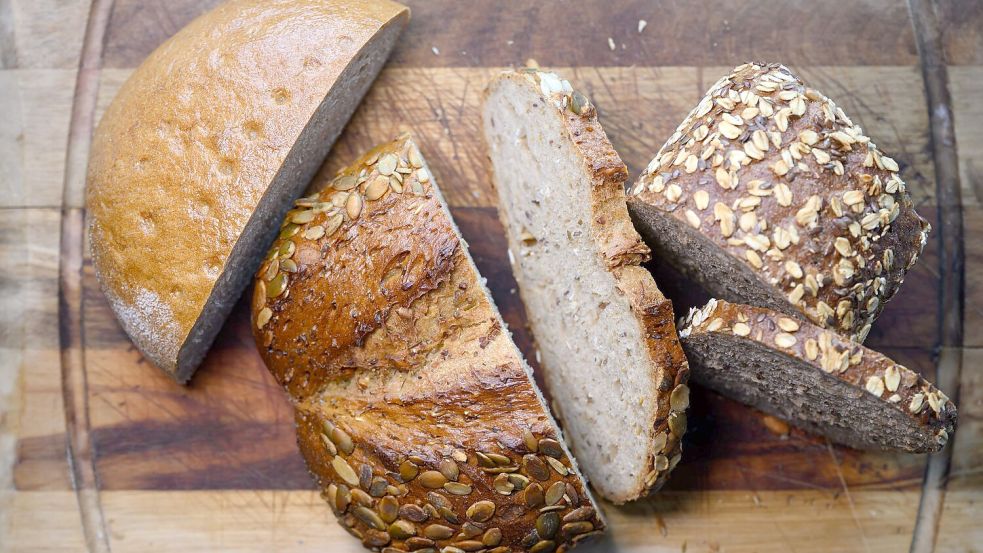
<point>949,234</point>
<point>70,331</point>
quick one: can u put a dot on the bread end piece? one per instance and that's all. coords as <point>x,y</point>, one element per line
<point>769,194</point>
<point>204,147</point>
<point>605,333</point>
<point>815,379</point>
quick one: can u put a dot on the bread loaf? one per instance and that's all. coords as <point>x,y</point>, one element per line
<point>416,413</point>
<point>768,194</point>
<point>606,334</point>
<point>815,378</point>
<point>205,146</point>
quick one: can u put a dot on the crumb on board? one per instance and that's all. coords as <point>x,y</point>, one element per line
<point>611,44</point>
<point>435,51</point>
<point>642,24</point>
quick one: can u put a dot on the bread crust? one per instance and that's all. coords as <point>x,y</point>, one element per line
<point>622,251</point>
<point>190,144</point>
<point>415,412</point>
<point>895,386</point>
<point>774,174</point>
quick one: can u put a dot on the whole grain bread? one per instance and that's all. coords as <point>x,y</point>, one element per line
<point>768,194</point>
<point>416,413</point>
<point>604,332</point>
<point>815,378</point>
<point>205,146</point>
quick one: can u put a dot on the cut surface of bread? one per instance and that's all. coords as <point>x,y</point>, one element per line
<point>604,331</point>
<point>416,413</point>
<point>768,194</point>
<point>205,146</point>
<point>815,379</point>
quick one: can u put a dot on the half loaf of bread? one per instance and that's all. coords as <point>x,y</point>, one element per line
<point>416,413</point>
<point>815,378</point>
<point>204,147</point>
<point>768,194</point>
<point>605,333</point>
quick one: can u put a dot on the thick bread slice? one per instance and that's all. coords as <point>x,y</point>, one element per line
<point>815,379</point>
<point>416,413</point>
<point>605,332</point>
<point>205,146</point>
<point>768,194</point>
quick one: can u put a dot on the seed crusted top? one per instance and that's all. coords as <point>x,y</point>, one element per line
<point>897,386</point>
<point>779,177</point>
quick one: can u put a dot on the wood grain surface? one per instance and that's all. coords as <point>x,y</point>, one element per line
<point>100,451</point>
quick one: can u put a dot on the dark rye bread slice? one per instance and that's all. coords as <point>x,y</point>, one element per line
<point>815,379</point>
<point>604,332</point>
<point>416,413</point>
<point>205,147</point>
<point>768,194</point>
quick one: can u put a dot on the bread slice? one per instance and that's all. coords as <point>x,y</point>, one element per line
<point>204,147</point>
<point>416,413</point>
<point>815,379</point>
<point>606,335</point>
<point>768,194</point>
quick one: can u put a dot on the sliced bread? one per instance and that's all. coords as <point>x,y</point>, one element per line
<point>815,378</point>
<point>768,194</point>
<point>604,332</point>
<point>416,413</point>
<point>204,147</point>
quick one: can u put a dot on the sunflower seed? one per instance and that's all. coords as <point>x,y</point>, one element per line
<point>481,511</point>
<point>379,487</point>
<point>342,440</point>
<point>369,517</point>
<point>362,498</point>
<point>411,512</point>
<point>555,493</point>
<point>438,532</point>
<point>375,539</point>
<point>574,528</point>
<point>438,500</point>
<point>402,529</point>
<point>344,471</point>
<point>558,466</point>
<point>534,496</point>
<point>432,479</point>
<point>577,515</point>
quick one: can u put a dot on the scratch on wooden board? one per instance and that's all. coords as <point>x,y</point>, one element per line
<point>849,498</point>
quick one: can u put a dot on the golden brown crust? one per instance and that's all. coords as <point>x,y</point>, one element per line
<point>415,413</point>
<point>898,387</point>
<point>778,177</point>
<point>194,138</point>
<point>623,252</point>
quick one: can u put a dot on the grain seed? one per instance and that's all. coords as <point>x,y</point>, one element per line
<point>892,378</point>
<point>741,329</point>
<point>917,402</point>
<point>875,385</point>
<point>784,340</point>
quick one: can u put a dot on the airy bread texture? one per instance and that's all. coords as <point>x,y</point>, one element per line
<point>768,194</point>
<point>205,146</point>
<point>815,378</point>
<point>416,413</point>
<point>605,333</point>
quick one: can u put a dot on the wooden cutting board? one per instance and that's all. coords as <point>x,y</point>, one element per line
<point>100,451</point>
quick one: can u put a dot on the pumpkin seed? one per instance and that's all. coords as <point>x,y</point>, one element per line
<point>481,511</point>
<point>402,529</point>
<point>457,488</point>
<point>387,164</point>
<point>378,487</point>
<point>438,500</point>
<point>389,508</point>
<point>545,546</point>
<point>377,189</point>
<point>578,102</point>
<point>314,233</point>
<point>468,545</point>
<point>531,443</point>
<point>558,466</point>
<point>502,484</point>
<point>418,543</point>
<point>332,449</point>
<point>359,496</point>
<point>498,459</point>
<point>302,217</point>
<point>288,265</point>
<point>574,528</point>
<point>530,539</point>
<point>263,317</point>
<point>679,398</point>
<point>277,285</point>
<point>449,515</point>
<point>577,515</point>
<point>535,467</point>
<point>287,248</point>
<point>342,440</point>
<point>534,496</point>
<point>288,230</point>
<point>661,462</point>
<point>573,498</point>
<point>413,512</point>
<point>271,270</point>
<point>555,493</point>
<point>449,469</point>
<point>519,481</point>
<point>408,470</point>
<point>492,537</point>
<point>344,471</point>
<point>551,448</point>
<point>484,460</point>
<point>660,440</point>
<point>333,224</point>
<point>353,205</point>
<point>344,183</point>
<point>438,532</point>
<point>369,517</point>
<point>677,424</point>
<point>375,538</point>
<point>432,479</point>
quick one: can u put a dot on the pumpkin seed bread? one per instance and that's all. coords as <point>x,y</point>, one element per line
<point>204,147</point>
<point>416,413</point>
<point>604,332</point>
<point>768,194</point>
<point>815,378</point>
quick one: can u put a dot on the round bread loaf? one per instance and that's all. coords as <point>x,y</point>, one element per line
<point>605,333</point>
<point>768,194</point>
<point>205,146</point>
<point>815,378</point>
<point>416,413</point>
